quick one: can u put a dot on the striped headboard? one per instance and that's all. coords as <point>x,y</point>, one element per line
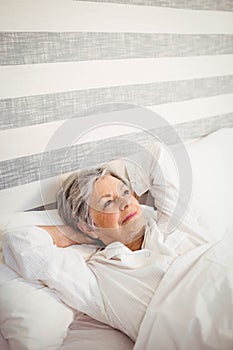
<point>94,60</point>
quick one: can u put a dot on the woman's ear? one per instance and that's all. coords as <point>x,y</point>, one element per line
<point>87,230</point>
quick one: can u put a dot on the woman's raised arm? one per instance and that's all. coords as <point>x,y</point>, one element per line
<point>65,236</point>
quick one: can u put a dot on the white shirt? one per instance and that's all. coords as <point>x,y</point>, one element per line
<point>113,285</point>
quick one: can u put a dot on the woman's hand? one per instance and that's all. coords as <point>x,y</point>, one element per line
<point>65,236</point>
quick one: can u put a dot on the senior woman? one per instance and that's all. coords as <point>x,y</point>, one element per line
<point>115,281</point>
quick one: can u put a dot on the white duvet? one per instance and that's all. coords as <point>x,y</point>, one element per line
<point>193,307</point>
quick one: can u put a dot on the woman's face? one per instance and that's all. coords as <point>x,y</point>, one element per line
<point>115,211</point>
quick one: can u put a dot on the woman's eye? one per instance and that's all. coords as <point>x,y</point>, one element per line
<point>126,192</point>
<point>108,203</point>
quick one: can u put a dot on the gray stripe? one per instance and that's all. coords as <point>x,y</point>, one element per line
<point>24,170</point>
<point>30,48</point>
<point>218,5</point>
<point>30,110</point>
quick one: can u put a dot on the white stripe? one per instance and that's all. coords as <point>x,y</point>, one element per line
<point>181,112</point>
<point>29,196</point>
<point>34,139</point>
<point>32,195</point>
<point>63,15</point>
<point>15,143</point>
<point>36,79</point>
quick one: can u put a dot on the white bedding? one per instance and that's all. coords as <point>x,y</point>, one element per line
<point>192,309</point>
<point>88,334</point>
<point>193,306</point>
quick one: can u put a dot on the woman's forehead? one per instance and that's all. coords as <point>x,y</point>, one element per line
<point>107,184</point>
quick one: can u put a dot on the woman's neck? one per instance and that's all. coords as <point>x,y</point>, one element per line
<point>137,243</point>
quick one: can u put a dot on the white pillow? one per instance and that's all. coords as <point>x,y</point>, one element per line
<point>32,317</point>
<point>212,187</point>
<point>211,159</point>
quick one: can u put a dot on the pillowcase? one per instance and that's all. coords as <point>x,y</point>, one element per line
<point>32,317</point>
<point>211,160</point>
<point>212,173</point>
<point>212,188</point>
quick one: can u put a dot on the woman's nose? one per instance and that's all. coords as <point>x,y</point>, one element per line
<point>124,203</point>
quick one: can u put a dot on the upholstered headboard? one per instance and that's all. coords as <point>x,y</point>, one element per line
<point>79,77</point>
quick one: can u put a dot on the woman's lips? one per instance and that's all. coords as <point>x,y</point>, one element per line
<point>129,217</point>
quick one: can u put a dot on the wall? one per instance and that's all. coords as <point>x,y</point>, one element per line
<point>61,58</point>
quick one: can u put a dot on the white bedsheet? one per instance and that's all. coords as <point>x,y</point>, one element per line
<point>4,344</point>
<point>88,334</point>
<point>193,307</point>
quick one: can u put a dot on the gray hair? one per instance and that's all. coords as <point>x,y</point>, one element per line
<point>73,197</point>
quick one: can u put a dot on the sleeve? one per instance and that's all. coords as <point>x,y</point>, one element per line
<point>32,254</point>
<point>155,169</point>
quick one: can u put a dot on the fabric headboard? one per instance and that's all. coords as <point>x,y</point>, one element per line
<point>68,67</point>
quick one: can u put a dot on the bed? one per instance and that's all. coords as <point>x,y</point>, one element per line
<point>73,75</point>
<point>33,317</point>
